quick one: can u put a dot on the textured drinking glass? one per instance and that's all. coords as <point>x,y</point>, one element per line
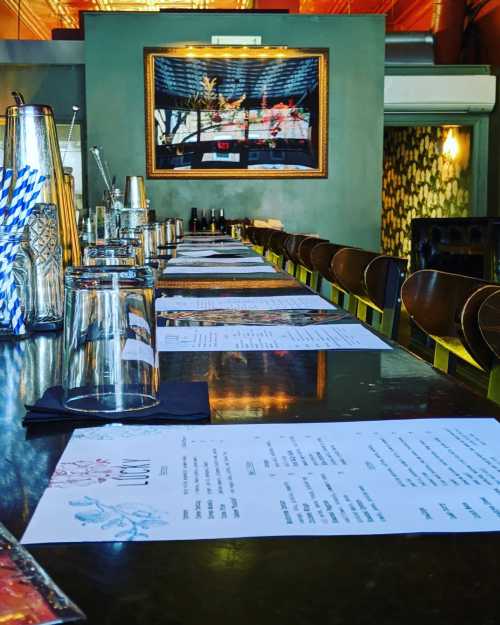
<point>22,274</point>
<point>109,362</point>
<point>48,268</point>
<point>150,242</point>
<point>137,235</point>
<point>109,255</point>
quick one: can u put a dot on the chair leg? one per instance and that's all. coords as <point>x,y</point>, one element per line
<point>441,358</point>
<point>362,311</point>
<point>387,323</point>
<point>302,274</point>
<point>314,282</point>
<point>352,305</point>
<point>494,383</point>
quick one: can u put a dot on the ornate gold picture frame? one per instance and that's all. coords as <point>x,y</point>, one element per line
<point>236,112</point>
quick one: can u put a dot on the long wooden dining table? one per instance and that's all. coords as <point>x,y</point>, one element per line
<point>404,579</point>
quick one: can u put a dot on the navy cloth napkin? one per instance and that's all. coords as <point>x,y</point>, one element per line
<point>179,401</point>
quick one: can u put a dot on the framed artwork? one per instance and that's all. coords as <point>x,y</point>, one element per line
<point>238,112</point>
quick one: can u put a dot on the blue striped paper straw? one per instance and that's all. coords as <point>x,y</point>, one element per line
<point>22,176</point>
<point>14,306</point>
<point>15,211</point>
<point>4,189</point>
<point>32,193</point>
<point>18,215</point>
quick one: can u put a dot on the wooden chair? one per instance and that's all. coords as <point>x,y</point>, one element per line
<point>489,326</point>
<point>275,252</point>
<point>306,273</point>
<point>290,248</point>
<point>262,236</point>
<point>373,282</point>
<point>249,234</point>
<point>447,307</point>
<point>321,259</point>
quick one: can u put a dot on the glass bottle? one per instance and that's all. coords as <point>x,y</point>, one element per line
<point>213,221</point>
<point>222,222</point>
<point>19,269</point>
<point>203,223</point>
<point>114,208</point>
<point>193,222</point>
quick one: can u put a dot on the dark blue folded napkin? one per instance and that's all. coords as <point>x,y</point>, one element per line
<point>179,401</point>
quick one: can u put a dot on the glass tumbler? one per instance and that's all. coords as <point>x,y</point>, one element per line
<point>16,282</point>
<point>109,255</point>
<point>109,361</point>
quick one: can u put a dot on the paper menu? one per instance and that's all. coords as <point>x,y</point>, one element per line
<point>117,483</point>
<point>214,260</point>
<point>244,338</point>
<point>276,302</point>
<point>196,269</point>
<point>197,253</point>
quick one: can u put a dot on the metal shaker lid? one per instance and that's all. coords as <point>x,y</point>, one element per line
<point>29,110</point>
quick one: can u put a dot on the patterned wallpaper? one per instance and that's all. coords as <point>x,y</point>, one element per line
<point>421,181</point>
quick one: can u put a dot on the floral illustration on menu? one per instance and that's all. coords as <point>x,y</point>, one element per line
<point>129,521</point>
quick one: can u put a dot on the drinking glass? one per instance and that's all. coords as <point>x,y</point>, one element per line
<point>18,266</point>
<point>109,362</point>
<point>109,255</point>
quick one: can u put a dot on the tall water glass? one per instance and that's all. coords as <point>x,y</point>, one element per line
<point>109,362</point>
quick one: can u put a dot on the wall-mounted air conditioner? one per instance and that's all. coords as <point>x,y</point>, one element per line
<point>427,94</point>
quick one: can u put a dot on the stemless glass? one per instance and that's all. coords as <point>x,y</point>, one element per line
<point>109,255</point>
<point>109,362</point>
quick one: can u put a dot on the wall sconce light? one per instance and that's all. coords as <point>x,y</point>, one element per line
<point>451,147</point>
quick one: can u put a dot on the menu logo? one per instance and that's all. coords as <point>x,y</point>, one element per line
<point>133,472</point>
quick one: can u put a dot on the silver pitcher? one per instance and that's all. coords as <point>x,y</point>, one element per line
<point>179,228</point>
<point>150,242</point>
<point>170,237</point>
<point>31,139</point>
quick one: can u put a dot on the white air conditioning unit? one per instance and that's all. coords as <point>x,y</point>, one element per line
<point>438,94</point>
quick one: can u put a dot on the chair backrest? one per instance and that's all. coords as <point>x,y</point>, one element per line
<point>291,246</point>
<point>373,282</point>
<point>469,321</point>
<point>489,321</point>
<point>445,306</point>
<point>250,233</point>
<point>305,249</point>
<point>262,236</point>
<point>276,241</point>
<point>321,258</point>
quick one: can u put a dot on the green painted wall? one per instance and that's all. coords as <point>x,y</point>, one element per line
<point>345,207</point>
<point>59,86</point>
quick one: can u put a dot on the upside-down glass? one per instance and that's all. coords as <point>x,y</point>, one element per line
<point>109,362</point>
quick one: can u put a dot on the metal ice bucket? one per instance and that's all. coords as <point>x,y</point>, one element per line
<point>135,192</point>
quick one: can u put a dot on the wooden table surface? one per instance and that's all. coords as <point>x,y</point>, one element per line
<point>448,579</point>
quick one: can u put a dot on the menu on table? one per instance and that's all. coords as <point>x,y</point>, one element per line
<point>220,270</point>
<point>214,260</point>
<point>241,338</point>
<point>206,253</point>
<point>139,483</point>
<point>275,302</point>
